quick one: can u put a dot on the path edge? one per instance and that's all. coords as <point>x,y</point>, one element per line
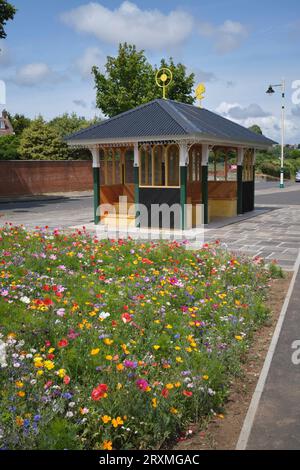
<point>250,416</point>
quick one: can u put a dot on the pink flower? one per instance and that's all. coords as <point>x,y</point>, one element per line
<point>142,384</point>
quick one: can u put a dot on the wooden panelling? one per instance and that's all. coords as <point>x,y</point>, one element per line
<point>111,194</point>
<point>194,192</point>
<point>222,190</point>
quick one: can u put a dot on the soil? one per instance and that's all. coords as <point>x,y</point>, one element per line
<point>222,432</point>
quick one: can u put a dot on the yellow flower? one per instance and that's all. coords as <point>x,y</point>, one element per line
<point>205,377</point>
<point>19,421</point>
<point>169,386</point>
<point>40,372</point>
<point>120,367</point>
<point>61,373</point>
<point>108,341</point>
<point>154,402</point>
<point>19,384</point>
<point>173,410</point>
<point>238,338</point>
<point>177,384</point>
<point>156,347</point>
<point>119,386</point>
<point>108,357</point>
<point>117,422</point>
<point>106,419</point>
<point>48,365</point>
<point>21,394</point>
<point>179,359</point>
<point>95,351</point>
<point>169,327</point>
<point>107,445</point>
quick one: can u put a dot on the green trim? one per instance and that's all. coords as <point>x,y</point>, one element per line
<point>136,190</point>
<point>204,190</point>
<point>96,179</point>
<point>240,189</point>
<point>183,184</point>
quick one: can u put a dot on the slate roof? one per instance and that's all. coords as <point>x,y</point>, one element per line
<point>165,118</point>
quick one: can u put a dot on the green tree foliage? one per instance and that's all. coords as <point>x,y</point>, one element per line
<point>255,128</point>
<point>41,142</point>
<point>7,12</point>
<point>19,123</point>
<point>67,124</point>
<point>129,81</point>
<point>9,147</point>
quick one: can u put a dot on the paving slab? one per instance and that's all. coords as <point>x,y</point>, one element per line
<point>276,424</point>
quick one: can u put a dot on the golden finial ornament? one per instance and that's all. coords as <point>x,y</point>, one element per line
<point>163,79</point>
<point>200,90</point>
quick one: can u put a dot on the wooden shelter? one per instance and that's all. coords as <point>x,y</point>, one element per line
<point>166,152</point>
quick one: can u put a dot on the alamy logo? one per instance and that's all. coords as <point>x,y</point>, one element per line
<point>296,353</point>
<point>2,92</point>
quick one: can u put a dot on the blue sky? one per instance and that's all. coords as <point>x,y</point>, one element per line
<point>236,47</point>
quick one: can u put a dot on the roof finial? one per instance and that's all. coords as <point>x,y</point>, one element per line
<point>163,79</point>
<point>200,90</point>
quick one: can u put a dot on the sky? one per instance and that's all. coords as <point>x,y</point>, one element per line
<point>236,47</point>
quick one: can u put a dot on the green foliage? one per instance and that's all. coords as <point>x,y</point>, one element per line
<point>9,147</point>
<point>40,141</point>
<point>7,12</point>
<point>129,81</point>
<point>19,122</point>
<point>255,128</point>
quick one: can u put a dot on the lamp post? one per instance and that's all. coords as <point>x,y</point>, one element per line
<point>270,91</point>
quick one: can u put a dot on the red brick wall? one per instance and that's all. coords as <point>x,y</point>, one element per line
<point>37,177</point>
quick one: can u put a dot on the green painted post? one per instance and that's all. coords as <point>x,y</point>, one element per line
<point>183,183</point>
<point>96,178</point>
<point>204,184</point>
<point>136,191</point>
<point>253,193</point>
<point>240,189</point>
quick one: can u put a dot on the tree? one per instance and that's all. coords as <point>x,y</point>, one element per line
<point>65,125</point>
<point>7,12</point>
<point>19,122</point>
<point>255,128</point>
<point>9,147</point>
<point>130,81</point>
<point>41,142</point>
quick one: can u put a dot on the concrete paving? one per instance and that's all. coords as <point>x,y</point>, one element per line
<point>273,419</point>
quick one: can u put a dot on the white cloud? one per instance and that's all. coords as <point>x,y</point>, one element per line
<point>36,74</point>
<point>80,103</point>
<point>91,56</point>
<point>146,28</point>
<point>269,124</point>
<point>227,36</point>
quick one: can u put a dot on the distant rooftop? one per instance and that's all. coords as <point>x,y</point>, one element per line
<point>166,118</point>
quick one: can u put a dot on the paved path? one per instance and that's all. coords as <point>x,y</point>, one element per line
<point>273,420</point>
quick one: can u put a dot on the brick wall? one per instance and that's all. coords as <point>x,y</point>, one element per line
<point>37,177</point>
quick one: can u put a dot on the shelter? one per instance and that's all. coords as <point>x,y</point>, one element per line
<point>166,152</point>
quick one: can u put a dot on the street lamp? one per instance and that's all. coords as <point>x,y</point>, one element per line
<point>270,92</point>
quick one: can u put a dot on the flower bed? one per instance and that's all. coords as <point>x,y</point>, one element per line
<point>116,344</point>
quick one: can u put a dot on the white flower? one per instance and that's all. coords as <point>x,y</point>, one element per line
<point>71,404</point>
<point>3,362</point>
<point>69,414</point>
<point>25,299</point>
<point>103,315</point>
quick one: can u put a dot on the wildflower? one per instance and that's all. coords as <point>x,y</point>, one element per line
<point>173,410</point>
<point>95,351</point>
<point>48,365</point>
<point>142,384</point>
<point>61,373</point>
<point>84,411</point>
<point>205,377</point>
<point>165,392</point>
<point>108,341</point>
<point>238,338</point>
<point>107,445</point>
<point>119,367</point>
<point>106,419</point>
<point>117,422</point>
<point>169,386</point>
<point>156,347</point>
<point>99,392</point>
<point>66,380</point>
<point>154,402</point>
<point>187,393</point>
<point>63,343</point>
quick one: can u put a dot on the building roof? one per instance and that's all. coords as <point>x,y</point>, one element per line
<point>5,124</point>
<point>165,119</point>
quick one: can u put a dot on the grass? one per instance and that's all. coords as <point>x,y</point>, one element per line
<point>118,345</point>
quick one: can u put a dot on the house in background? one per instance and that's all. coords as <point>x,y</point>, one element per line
<point>5,124</point>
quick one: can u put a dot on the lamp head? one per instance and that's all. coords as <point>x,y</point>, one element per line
<point>270,90</point>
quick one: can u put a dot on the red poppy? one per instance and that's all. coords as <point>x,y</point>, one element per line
<point>165,392</point>
<point>66,379</point>
<point>99,392</point>
<point>63,343</point>
<point>126,318</point>
<point>187,393</point>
